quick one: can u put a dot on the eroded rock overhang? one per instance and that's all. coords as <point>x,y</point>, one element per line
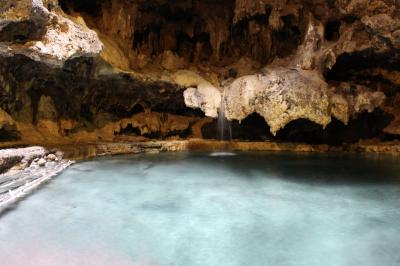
<point>80,70</point>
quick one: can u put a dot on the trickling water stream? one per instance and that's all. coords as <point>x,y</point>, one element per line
<point>224,126</point>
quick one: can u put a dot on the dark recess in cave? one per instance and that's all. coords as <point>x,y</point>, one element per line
<point>135,131</point>
<point>254,128</point>
<point>365,126</point>
<point>245,38</point>
<point>9,135</point>
<point>129,131</point>
<point>332,30</point>
<point>358,68</point>
<point>350,65</point>
<point>20,32</point>
<point>86,113</point>
<point>288,39</point>
<point>123,112</point>
<point>90,7</point>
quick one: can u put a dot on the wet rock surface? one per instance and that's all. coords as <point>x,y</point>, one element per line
<point>25,169</point>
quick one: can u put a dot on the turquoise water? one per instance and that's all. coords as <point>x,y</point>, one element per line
<point>195,209</point>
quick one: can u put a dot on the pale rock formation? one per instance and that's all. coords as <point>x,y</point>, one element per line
<point>348,100</point>
<point>53,38</point>
<point>65,40</point>
<point>204,95</point>
<point>280,96</point>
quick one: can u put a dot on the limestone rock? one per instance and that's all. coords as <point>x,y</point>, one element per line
<point>42,162</point>
<point>206,97</point>
<point>56,38</point>
<point>51,157</point>
<point>280,96</point>
<point>71,71</point>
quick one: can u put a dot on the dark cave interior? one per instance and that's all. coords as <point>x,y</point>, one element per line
<point>198,31</point>
<point>254,128</point>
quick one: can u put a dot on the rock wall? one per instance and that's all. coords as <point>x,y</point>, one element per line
<point>129,70</point>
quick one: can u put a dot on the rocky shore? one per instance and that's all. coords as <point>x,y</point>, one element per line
<point>22,170</point>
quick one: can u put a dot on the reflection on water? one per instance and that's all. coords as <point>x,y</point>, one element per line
<point>219,154</point>
<point>193,209</point>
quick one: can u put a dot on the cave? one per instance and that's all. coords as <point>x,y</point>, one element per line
<point>199,132</point>
<point>150,52</point>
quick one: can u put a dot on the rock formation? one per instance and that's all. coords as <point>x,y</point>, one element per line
<point>107,70</point>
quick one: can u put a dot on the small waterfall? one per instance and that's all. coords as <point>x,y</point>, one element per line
<point>224,132</point>
<point>224,126</point>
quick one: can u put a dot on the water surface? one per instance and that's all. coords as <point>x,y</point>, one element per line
<point>194,209</point>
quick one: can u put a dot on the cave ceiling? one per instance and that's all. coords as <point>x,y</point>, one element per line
<point>77,69</point>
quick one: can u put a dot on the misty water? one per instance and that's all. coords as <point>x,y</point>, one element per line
<point>194,209</point>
